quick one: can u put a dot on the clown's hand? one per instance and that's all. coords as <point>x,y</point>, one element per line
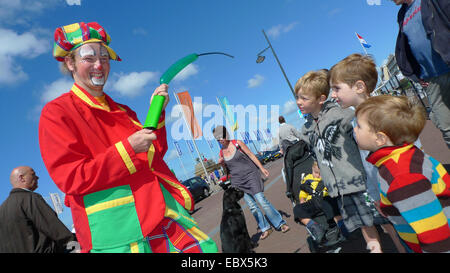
<point>141,140</point>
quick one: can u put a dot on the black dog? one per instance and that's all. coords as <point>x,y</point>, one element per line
<point>233,230</point>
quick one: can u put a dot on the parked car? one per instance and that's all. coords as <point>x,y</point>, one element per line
<point>198,187</point>
<point>276,154</point>
<point>267,156</point>
<point>261,158</point>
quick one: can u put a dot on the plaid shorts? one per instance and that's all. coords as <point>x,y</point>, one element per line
<point>357,210</point>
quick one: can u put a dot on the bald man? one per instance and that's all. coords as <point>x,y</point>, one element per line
<point>28,223</point>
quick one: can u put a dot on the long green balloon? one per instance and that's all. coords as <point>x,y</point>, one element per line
<point>154,112</point>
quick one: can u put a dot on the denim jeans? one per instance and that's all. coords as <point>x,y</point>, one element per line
<point>438,93</point>
<point>271,213</point>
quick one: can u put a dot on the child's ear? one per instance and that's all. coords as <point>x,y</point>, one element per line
<point>322,99</point>
<point>360,87</point>
<point>382,139</point>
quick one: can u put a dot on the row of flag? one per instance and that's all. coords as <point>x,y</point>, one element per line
<point>245,138</point>
<point>185,101</point>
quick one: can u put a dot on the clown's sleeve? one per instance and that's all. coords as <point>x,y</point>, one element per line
<point>71,164</point>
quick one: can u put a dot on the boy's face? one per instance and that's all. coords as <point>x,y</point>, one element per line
<point>345,95</point>
<point>365,137</point>
<point>308,103</point>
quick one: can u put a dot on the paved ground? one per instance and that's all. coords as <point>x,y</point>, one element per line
<point>209,211</point>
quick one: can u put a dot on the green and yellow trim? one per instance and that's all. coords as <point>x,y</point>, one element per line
<point>184,193</point>
<point>109,204</point>
<point>125,157</point>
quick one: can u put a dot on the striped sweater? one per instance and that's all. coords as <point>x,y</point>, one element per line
<point>415,196</point>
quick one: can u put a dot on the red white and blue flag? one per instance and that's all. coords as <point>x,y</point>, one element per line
<point>362,41</point>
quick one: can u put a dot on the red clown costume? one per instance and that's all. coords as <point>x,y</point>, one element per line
<point>121,201</point>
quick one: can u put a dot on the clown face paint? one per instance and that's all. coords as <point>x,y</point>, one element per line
<point>92,66</point>
<point>86,50</point>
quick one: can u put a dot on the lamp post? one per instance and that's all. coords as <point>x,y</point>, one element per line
<point>261,58</point>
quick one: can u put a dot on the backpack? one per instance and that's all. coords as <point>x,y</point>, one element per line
<point>298,161</point>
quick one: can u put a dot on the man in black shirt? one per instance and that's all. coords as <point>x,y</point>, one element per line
<point>27,223</point>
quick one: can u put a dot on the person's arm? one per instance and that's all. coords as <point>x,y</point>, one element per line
<point>46,221</point>
<point>413,197</point>
<point>253,157</point>
<point>295,132</point>
<point>70,162</point>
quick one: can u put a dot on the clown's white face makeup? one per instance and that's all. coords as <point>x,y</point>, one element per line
<point>92,67</point>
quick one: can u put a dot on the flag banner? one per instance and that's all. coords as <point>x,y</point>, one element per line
<point>362,41</point>
<point>244,138</point>
<point>229,115</point>
<point>190,145</point>
<point>188,110</point>
<point>258,137</point>
<point>56,202</point>
<point>247,135</point>
<point>178,148</point>
<point>261,136</point>
<point>268,133</point>
<point>210,143</point>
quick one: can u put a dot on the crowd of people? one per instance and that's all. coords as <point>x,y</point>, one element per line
<point>125,199</point>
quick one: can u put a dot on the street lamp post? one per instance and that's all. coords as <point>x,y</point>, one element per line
<point>261,58</point>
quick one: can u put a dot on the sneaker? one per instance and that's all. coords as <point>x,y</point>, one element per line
<point>315,230</point>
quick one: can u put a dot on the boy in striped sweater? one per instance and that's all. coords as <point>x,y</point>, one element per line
<point>414,187</point>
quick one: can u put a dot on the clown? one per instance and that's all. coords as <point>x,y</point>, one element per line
<point>122,195</point>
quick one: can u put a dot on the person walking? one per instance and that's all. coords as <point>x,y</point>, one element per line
<point>423,54</point>
<point>245,170</point>
<point>287,135</point>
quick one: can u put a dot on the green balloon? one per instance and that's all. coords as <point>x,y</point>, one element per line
<point>154,112</point>
<point>175,68</point>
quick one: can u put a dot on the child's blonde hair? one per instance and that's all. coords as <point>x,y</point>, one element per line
<point>353,68</point>
<point>399,118</point>
<point>315,164</point>
<point>315,83</point>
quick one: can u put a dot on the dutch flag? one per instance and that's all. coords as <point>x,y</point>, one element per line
<point>362,41</point>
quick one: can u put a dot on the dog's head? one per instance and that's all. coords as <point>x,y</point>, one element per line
<point>231,197</point>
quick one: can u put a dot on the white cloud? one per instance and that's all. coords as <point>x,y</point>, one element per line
<point>374,2</point>
<point>55,89</point>
<point>10,72</point>
<point>140,31</point>
<point>255,81</point>
<point>171,155</point>
<point>132,84</point>
<point>13,45</point>
<point>73,2</point>
<point>22,12</point>
<point>51,91</point>
<point>277,30</point>
<point>188,71</point>
<point>289,107</point>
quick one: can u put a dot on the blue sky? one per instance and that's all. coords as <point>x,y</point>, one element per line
<point>150,35</point>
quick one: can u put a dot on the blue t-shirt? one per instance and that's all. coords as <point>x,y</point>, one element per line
<point>431,63</point>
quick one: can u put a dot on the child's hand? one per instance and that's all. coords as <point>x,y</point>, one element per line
<point>377,206</point>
